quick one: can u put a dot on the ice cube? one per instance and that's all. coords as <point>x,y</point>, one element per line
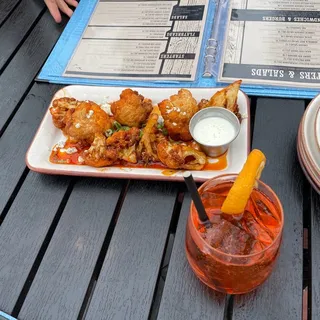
<point>257,229</point>
<point>268,213</point>
<point>230,237</point>
<point>212,199</point>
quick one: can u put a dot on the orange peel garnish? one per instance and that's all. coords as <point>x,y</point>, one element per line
<point>240,192</point>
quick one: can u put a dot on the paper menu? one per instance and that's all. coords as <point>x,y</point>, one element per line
<point>272,43</point>
<point>212,49</point>
<point>139,40</point>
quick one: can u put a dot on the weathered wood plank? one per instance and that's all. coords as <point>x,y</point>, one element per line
<point>129,274</point>
<point>23,232</point>
<point>184,296</point>
<point>315,255</point>
<point>16,139</point>
<point>16,27</point>
<point>275,131</point>
<point>65,272</point>
<point>6,8</point>
<point>20,72</point>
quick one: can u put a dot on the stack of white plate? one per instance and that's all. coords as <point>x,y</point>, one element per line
<point>308,143</point>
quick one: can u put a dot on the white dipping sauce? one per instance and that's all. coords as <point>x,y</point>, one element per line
<point>214,131</point>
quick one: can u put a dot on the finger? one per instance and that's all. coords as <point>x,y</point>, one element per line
<point>64,8</point>
<point>54,10</point>
<point>72,3</point>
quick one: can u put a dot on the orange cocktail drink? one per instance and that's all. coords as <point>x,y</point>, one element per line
<point>234,253</point>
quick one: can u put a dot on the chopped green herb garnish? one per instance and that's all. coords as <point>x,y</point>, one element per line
<point>162,128</point>
<point>165,131</point>
<point>117,125</point>
<point>108,133</point>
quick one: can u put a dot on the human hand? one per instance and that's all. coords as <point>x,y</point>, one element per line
<point>55,6</point>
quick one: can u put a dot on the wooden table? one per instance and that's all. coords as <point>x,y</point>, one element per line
<point>74,248</point>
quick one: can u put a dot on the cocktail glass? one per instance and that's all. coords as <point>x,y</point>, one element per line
<point>235,253</point>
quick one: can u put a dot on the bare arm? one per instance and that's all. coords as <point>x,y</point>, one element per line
<point>55,6</point>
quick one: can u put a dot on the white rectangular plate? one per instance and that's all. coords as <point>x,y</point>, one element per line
<point>48,135</point>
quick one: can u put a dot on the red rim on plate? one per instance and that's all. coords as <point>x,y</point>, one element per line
<point>316,125</point>
<point>305,158</point>
<point>310,159</point>
<point>304,168</point>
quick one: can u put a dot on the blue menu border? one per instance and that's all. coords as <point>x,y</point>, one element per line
<point>56,63</point>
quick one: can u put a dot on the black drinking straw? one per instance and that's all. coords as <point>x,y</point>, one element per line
<point>195,196</point>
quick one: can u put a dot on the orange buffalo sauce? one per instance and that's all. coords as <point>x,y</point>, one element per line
<point>220,163</point>
<point>153,165</point>
<point>68,155</point>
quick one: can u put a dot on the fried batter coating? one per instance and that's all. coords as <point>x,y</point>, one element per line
<point>204,103</point>
<point>226,98</point>
<point>177,113</point>
<point>147,148</point>
<point>178,156</point>
<point>59,109</point>
<point>132,109</point>
<point>125,144</point>
<point>98,155</point>
<point>106,151</point>
<point>83,122</point>
<point>194,145</point>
